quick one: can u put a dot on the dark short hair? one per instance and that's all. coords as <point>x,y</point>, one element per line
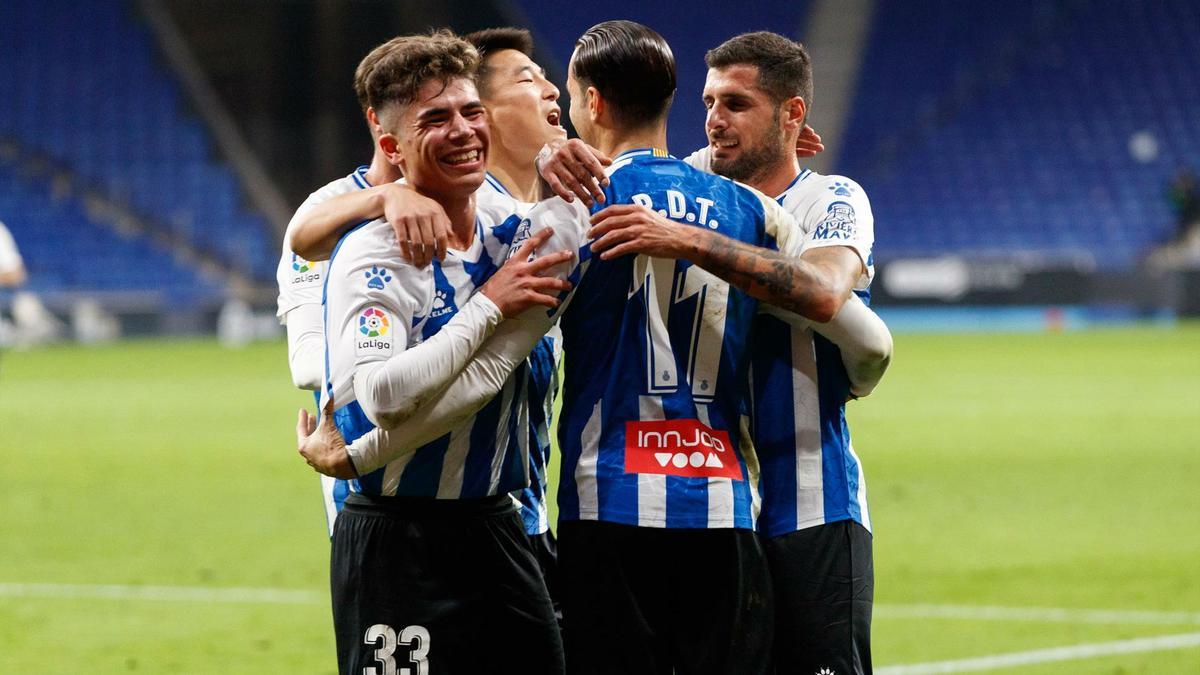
<point>631,66</point>
<point>363,71</point>
<point>784,69</point>
<point>414,59</point>
<point>491,40</point>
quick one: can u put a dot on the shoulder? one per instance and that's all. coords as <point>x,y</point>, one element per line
<point>816,188</point>
<point>494,207</point>
<point>369,243</point>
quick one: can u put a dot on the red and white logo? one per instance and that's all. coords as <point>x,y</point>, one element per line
<point>680,448</point>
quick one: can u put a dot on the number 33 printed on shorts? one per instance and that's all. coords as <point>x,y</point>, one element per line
<point>385,640</point>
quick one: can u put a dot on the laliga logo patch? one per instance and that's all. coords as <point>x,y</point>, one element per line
<point>373,328</point>
<point>684,448</point>
<point>839,222</point>
<point>304,272</point>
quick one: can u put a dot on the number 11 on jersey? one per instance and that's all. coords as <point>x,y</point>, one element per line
<point>706,321</point>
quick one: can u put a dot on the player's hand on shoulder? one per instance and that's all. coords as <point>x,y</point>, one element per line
<point>631,228</point>
<point>809,143</point>
<point>525,281</point>
<point>574,168</point>
<point>421,226</point>
<point>322,445</point>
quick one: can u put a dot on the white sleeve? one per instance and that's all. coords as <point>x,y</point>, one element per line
<point>390,391</point>
<point>493,363</point>
<point>864,342</point>
<point>859,334</point>
<point>306,345</point>
<point>475,385</point>
<point>10,259</point>
<point>300,281</point>
<point>842,216</point>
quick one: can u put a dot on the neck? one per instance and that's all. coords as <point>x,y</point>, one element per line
<point>776,178</point>
<point>518,175</point>
<point>613,142</point>
<point>461,212</point>
<point>381,170</point>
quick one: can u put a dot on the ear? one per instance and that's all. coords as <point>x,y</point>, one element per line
<point>390,145</point>
<point>794,112</point>
<point>373,120</point>
<point>595,104</point>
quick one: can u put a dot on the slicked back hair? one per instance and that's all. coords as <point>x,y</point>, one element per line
<point>631,66</point>
<point>784,69</point>
<point>414,59</point>
<point>492,40</point>
<point>363,71</point>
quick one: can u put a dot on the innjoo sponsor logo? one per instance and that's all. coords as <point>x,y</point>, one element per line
<point>680,448</point>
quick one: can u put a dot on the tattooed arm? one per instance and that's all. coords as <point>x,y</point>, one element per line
<point>814,285</point>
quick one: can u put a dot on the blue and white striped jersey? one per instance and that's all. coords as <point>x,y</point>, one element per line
<point>301,282</point>
<point>799,387</point>
<point>543,383</point>
<point>656,353</point>
<point>378,305</point>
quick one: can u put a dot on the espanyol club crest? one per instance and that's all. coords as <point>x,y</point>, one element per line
<point>838,223</point>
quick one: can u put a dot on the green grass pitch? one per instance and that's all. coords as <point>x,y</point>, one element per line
<point>1034,472</point>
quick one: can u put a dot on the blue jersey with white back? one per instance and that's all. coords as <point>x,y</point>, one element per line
<point>656,353</point>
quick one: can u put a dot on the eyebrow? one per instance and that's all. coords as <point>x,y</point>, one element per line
<point>436,112</point>
<point>532,69</point>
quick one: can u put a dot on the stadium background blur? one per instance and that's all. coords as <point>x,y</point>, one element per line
<point>1032,456</point>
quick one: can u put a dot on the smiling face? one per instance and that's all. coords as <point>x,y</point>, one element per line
<point>745,134</point>
<point>522,104</point>
<point>441,139</point>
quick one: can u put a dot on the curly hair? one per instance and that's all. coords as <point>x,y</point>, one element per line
<point>412,60</point>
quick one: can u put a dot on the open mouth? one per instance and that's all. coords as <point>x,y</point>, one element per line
<point>554,117</point>
<point>723,143</point>
<point>464,157</point>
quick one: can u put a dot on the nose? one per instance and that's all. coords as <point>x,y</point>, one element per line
<point>549,91</point>
<point>458,128</point>
<point>715,120</point>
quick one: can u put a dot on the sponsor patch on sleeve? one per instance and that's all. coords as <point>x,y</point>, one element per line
<point>375,333</point>
<point>837,224</point>
<point>305,273</point>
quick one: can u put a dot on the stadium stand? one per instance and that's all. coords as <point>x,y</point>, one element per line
<point>81,86</point>
<point>1026,129</point>
<point>68,251</point>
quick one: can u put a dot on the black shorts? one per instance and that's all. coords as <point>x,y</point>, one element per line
<point>650,600</point>
<point>449,584</point>
<point>545,549</point>
<point>824,589</point>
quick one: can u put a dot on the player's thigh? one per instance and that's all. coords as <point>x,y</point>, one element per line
<point>720,616</point>
<point>385,610</point>
<point>824,592</point>
<point>605,628</point>
<point>522,629</point>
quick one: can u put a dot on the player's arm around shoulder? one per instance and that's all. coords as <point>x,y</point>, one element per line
<point>420,223</point>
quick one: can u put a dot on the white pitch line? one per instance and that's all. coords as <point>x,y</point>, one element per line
<point>1047,614</point>
<point>1073,653</point>
<point>278,596</point>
